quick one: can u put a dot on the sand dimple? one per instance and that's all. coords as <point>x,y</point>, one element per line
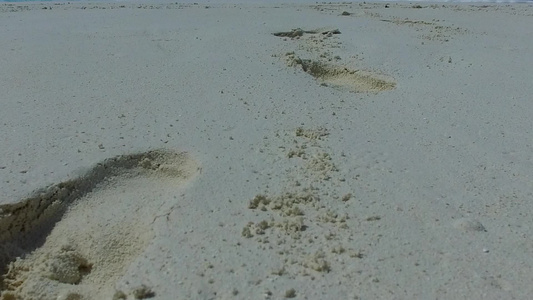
<point>468,224</point>
<point>97,225</point>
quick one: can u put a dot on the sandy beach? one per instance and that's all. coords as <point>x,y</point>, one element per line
<point>266,151</point>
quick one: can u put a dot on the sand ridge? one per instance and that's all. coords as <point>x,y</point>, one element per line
<point>75,239</point>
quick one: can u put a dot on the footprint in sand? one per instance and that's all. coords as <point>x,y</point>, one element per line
<point>330,74</point>
<point>341,77</point>
<point>74,240</point>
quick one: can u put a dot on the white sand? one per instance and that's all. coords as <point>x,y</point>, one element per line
<point>391,160</point>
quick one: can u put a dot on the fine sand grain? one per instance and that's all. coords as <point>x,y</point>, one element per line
<point>266,151</point>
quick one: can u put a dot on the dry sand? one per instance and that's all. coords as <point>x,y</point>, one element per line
<point>262,151</point>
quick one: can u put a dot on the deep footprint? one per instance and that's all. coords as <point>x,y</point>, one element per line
<point>75,239</point>
<point>329,74</point>
<point>342,77</point>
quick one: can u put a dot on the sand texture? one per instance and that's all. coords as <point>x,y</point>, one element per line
<point>266,151</point>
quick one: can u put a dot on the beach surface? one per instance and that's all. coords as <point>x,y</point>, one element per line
<point>266,151</point>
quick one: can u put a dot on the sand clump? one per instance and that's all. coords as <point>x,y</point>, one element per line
<point>300,219</point>
<point>99,224</point>
<point>313,134</point>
